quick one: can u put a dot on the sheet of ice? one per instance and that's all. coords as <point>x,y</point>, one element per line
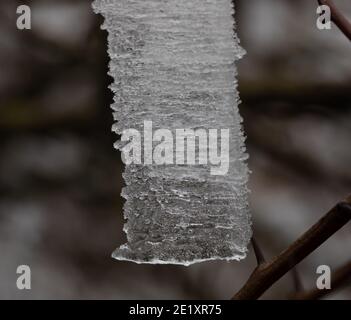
<point>173,64</point>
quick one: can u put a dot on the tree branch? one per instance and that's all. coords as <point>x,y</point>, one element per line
<point>339,278</point>
<point>338,18</point>
<point>298,286</point>
<point>258,252</point>
<point>267,273</point>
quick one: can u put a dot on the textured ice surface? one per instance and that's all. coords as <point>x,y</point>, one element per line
<point>173,64</point>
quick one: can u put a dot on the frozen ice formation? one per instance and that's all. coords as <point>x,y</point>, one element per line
<point>173,65</point>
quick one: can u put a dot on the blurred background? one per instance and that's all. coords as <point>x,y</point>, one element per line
<point>60,178</point>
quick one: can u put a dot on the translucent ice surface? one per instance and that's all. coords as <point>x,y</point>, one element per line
<point>173,65</point>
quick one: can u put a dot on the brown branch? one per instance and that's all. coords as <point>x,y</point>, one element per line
<point>339,278</point>
<point>298,286</point>
<point>266,274</point>
<point>258,252</point>
<point>338,18</point>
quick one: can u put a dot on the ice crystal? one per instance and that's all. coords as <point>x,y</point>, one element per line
<point>173,64</point>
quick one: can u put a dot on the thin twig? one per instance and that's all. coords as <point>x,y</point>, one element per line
<point>266,274</point>
<point>339,278</point>
<point>258,252</point>
<point>338,18</point>
<point>298,286</point>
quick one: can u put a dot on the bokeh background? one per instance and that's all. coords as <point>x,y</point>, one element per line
<point>60,178</point>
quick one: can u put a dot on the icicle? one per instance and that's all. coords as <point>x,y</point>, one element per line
<point>173,67</point>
